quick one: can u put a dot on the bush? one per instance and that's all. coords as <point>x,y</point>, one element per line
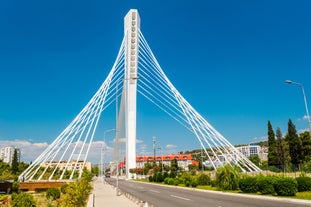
<point>185,179</point>
<point>286,186</point>
<point>63,188</point>
<point>52,194</point>
<point>158,177</point>
<point>227,178</point>
<point>204,179</point>
<point>304,183</point>
<point>265,184</point>
<point>171,181</point>
<point>25,200</point>
<point>15,186</point>
<point>193,181</point>
<point>76,194</point>
<point>150,178</point>
<point>248,184</point>
<point>173,174</point>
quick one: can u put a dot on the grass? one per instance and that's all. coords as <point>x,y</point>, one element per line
<point>303,195</point>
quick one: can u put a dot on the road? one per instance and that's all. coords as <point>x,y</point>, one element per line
<point>166,196</point>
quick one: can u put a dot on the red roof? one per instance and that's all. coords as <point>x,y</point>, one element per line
<point>169,157</point>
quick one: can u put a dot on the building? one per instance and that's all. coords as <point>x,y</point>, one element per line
<point>250,150</point>
<point>78,166</point>
<point>7,154</point>
<point>183,160</point>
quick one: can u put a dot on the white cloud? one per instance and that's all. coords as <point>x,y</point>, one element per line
<point>305,117</point>
<point>29,150</point>
<point>170,146</point>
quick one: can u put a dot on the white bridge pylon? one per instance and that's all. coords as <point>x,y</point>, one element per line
<point>136,70</point>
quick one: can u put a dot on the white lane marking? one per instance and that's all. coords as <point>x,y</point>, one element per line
<point>155,191</point>
<point>187,199</point>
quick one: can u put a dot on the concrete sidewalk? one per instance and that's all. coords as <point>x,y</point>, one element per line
<point>104,194</point>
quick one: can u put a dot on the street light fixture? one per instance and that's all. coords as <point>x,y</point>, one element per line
<point>305,100</point>
<point>101,153</point>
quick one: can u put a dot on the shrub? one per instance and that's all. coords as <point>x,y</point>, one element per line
<point>204,179</point>
<point>173,174</point>
<point>158,177</point>
<point>213,183</point>
<point>63,188</point>
<point>248,184</point>
<point>171,181</point>
<point>25,200</point>
<point>76,194</point>
<point>150,178</point>
<point>265,184</point>
<point>165,175</point>
<point>227,178</point>
<point>304,183</point>
<point>185,179</point>
<point>53,193</point>
<point>15,186</point>
<point>285,186</point>
<point>193,181</point>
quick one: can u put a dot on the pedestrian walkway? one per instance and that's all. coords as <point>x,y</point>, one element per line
<point>104,194</point>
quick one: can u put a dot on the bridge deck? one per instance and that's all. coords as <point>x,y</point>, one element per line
<point>40,185</point>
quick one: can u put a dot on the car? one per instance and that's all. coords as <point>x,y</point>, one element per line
<point>107,175</point>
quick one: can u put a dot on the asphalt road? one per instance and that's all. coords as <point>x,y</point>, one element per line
<point>166,196</point>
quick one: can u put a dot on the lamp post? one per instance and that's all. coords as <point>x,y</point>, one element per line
<point>160,148</point>
<point>101,153</point>
<point>305,100</point>
<point>117,128</point>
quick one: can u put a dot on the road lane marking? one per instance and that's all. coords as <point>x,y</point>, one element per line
<point>155,191</point>
<point>186,199</point>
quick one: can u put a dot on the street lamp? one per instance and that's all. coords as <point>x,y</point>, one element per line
<point>160,148</point>
<point>101,153</point>
<point>305,100</point>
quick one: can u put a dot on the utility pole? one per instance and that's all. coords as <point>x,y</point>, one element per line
<point>154,148</point>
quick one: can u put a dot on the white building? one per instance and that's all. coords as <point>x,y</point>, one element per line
<point>7,153</point>
<point>250,150</point>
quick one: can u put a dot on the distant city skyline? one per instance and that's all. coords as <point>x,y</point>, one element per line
<point>229,60</point>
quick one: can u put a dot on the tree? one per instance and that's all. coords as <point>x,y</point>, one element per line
<point>281,150</point>
<point>15,163</point>
<point>95,170</point>
<point>255,159</point>
<point>52,194</point>
<point>227,178</point>
<point>23,199</point>
<point>306,146</point>
<point>295,144</point>
<point>174,165</point>
<point>272,157</point>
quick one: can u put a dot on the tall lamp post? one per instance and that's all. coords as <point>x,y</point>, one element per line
<point>305,100</point>
<point>103,154</point>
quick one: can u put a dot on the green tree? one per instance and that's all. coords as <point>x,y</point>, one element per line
<point>52,194</point>
<point>227,178</point>
<point>295,144</point>
<point>174,165</point>
<point>255,159</point>
<point>306,146</point>
<point>281,150</point>
<point>15,163</point>
<point>272,157</point>
<point>23,199</point>
<point>95,170</point>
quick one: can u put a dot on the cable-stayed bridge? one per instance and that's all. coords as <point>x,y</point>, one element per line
<point>135,70</point>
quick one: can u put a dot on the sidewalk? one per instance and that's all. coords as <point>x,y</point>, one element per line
<point>105,195</point>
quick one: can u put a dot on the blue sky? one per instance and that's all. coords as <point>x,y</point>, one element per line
<point>229,59</point>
